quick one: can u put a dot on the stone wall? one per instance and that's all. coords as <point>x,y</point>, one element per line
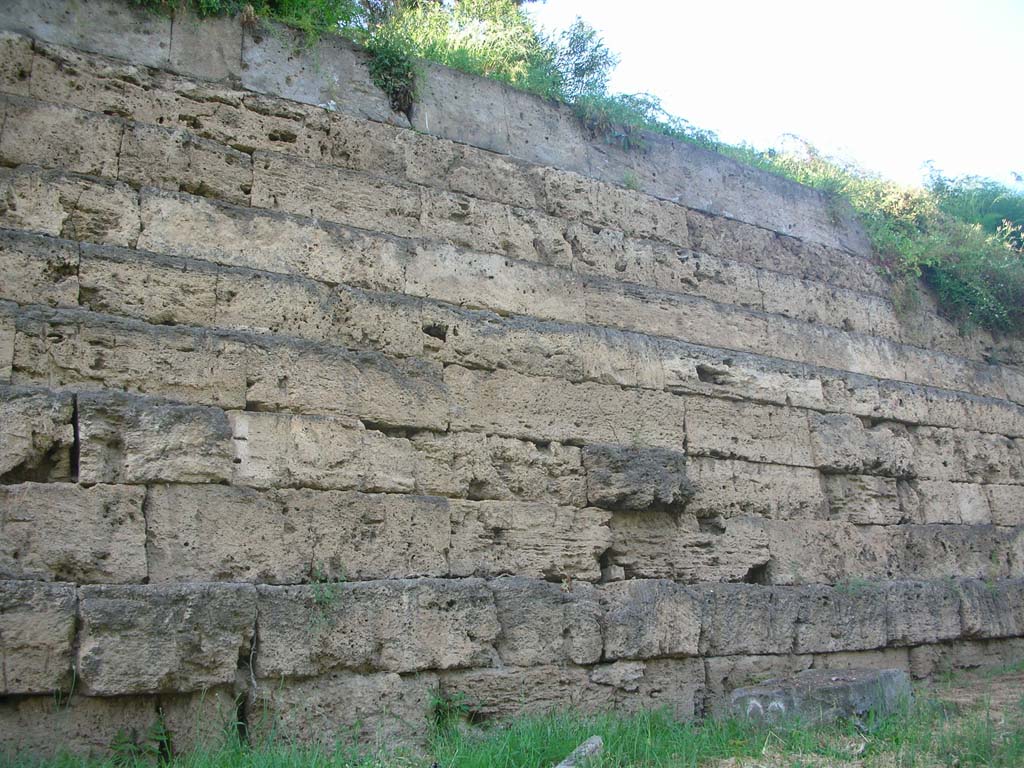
<point>312,414</point>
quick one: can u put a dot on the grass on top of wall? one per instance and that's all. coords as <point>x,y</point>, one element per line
<point>961,236</point>
<point>976,722</point>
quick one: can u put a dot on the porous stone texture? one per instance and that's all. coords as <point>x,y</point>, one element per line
<point>313,413</point>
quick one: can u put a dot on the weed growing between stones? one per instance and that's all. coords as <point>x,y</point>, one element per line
<point>939,729</point>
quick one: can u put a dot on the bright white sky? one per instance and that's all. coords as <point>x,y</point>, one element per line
<point>889,84</point>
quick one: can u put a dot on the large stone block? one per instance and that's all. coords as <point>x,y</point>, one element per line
<point>655,545</point>
<point>827,552</point>
<point>992,608</point>
<point>16,69</point>
<point>39,270</point>
<point>56,136</point>
<point>155,638</point>
<point>286,535</point>
<point>966,456</point>
<point>621,477</point>
<point>126,439</point>
<point>842,444</point>
<point>493,538</point>
<point>37,630</point>
<point>163,290</point>
<point>37,434</point>
<point>922,612</point>
<point>543,409</point>
<point>748,619</point>
<point>725,488</point>
<point>941,501</point>
<point>1006,504</point>
<point>377,710</point>
<point>180,161</point>
<point>72,207</point>
<point>546,623</point>
<point>972,551</point>
<point>84,351</point>
<point>289,185</point>
<point>848,617</point>
<point>738,430</point>
<point>390,626</point>
<point>204,229</point>
<point>863,499</point>
<point>943,658</point>
<point>649,619</point>
<point>321,379</point>
<point>64,532</point>
<point>85,725</point>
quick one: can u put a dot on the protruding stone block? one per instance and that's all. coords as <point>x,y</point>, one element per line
<point>820,696</point>
<point>622,477</point>
<point>37,434</point>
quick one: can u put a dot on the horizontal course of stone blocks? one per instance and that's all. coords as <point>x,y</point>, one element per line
<point>309,418</point>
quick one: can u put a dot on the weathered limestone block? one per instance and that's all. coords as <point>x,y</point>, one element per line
<point>473,466</point>
<point>930,660</point>
<point>75,208</point>
<point>367,385</point>
<point>821,696</point>
<point>127,439</point>
<point>940,501</point>
<point>636,686</point>
<point>36,434</point>
<point>196,535</point>
<point>842,444</point>
<point>1006,504</point>
<point>726,673</point>
<point>675,316</point>
<point>535,408</point>
<point>162,290</point>
<point>844,618</point>
<point>153,638</point>
<point>972,551</point>
<point>992,608</point>
<point>827,552</point>
<point>64,532</point>
<point>87,725</point>
<point>725,488</point>
<point>285,184</point>
<point>545,623</point>
<point>747,619</point>
<point>622,477</point>
<point>179,161</point>
<point>863,499</point>
<point>204,229</point>
<point>499,693</point>
<point>37,629</point>
<point>389,626</point>
<point>738,430</point>
<point>490,281</point>
<point>38,270</point>
<point>720,373</point>
<point>493,538</point>
<point>15,62</point>
<point>922,612</point>
<point>333,74</point>
<point>656,545</point>
<point>648,619</point>
<point>55,136</point>
<point>378,710</point>
<point>967,456</point>
<point>277,450</point>
<point>84,351</point>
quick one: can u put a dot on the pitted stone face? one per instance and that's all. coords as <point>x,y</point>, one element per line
<point>308,413</point>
